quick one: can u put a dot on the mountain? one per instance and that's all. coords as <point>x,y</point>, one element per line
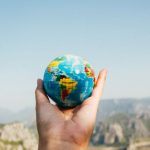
<point>5,115</point>
<point>110,107</point>
<point>107,107</point>
<point>122,123</point>
<point>26,116</point>
<point>122,128</point>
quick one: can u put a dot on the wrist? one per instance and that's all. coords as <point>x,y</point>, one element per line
<point>52,144</point>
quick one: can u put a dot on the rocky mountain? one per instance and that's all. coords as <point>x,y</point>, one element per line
<point>121,129</point>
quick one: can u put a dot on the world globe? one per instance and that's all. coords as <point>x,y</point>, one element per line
<point>69,80</point>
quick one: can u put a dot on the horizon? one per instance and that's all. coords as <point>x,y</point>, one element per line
<point>107,99</point>
<point>114,35</point>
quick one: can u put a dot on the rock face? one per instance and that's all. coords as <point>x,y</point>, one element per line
<point>138,128</point>
<point>114,134</point>
<point>16,136</point>
<point>121,128</point>
<point>99,134</point>
<point>107,134</point>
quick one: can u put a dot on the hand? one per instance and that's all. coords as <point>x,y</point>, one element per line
<point>68,129</point>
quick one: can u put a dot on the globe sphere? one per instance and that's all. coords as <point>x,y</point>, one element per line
<point>69,80</point>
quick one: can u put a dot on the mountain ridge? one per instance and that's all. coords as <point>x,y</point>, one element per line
<point>107,107</point>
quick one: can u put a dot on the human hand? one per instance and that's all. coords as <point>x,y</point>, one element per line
<point>68,129</point>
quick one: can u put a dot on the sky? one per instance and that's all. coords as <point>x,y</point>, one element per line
<point>111,34</point>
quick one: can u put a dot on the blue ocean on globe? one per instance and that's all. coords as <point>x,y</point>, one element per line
<point>69,80</point>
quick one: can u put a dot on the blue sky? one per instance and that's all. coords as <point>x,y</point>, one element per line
<point>112,34</point>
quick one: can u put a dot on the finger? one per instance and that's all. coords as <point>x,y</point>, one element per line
<point>97,91</point>
<point>40,95</point>
<point>88,109</point>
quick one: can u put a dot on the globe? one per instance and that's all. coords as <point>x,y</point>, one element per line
<point>69,80</point>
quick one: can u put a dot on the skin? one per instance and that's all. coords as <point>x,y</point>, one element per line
<point>68,129</point>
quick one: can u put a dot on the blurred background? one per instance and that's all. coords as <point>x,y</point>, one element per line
<point>111,34</point>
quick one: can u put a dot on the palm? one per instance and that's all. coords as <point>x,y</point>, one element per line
<point>52,118</point>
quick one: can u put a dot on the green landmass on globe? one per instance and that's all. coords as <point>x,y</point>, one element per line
<point>69,80</point>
